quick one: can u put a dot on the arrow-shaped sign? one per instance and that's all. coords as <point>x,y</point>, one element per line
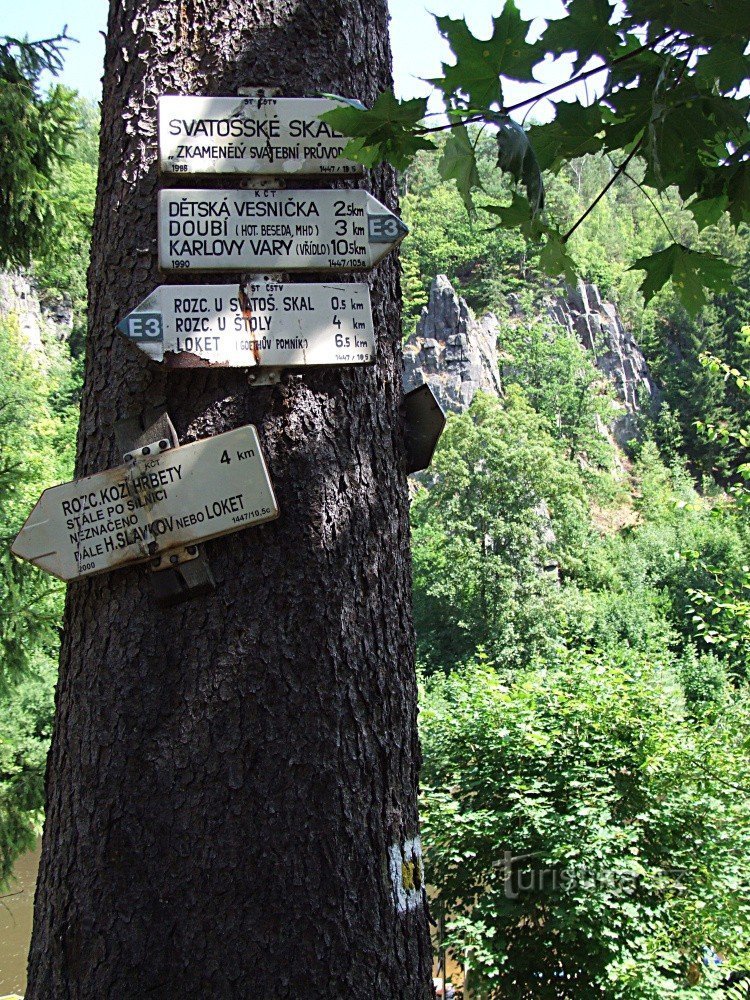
<point>256,323</point>
<point>162,500</point>
<point>277,230</point>
<point>250,135</point>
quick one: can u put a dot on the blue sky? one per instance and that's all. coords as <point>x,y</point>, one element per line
<point>417,47</point>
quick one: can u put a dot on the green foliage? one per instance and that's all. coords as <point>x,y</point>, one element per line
<point>586,815</point>
<point>36,445</point>
<point>671,82</point>
<point>476,76</point>
<point>605,725</point>
<point>60,266</point>
<point>47,170</point>
<point>37,429</point>
<point>655,568</point>
<point>482,262</point>
<point>720,611</point>
<point>668,434</point>
<point>481,535</point>
<point>414,293</point>
<point>23,62</point>
<point>586,31</point>
<point>586,836</point>
<point>698,396</point>
<point>571,135</point>
<point>36,132</point>
<point>704,683</point>
<point>690,271</point>
<point>555,260</point>
<point>26,715</point>
<point>459,163</point>
<point>560,381</point>
<point>486,263</point>
<point>385,132</point>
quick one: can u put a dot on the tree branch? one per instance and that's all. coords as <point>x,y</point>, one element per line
<point>645,193</point>
<point>620,170</point>
<point>578,78</point>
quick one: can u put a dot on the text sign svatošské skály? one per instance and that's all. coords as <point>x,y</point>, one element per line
<point>250,135</point>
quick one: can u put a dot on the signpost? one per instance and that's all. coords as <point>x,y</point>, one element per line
<point>250,135</point>
<point>260,322</point>
<point>161,500</point>
<point>340,230</point>
<point>168,499</point>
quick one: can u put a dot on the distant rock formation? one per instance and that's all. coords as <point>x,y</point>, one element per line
<point>453,352</point>
<point>614,351</point>
<point>457,354</point>
<point>37,318</point>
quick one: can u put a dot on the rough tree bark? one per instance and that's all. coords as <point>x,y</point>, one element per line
<point>227,777</point>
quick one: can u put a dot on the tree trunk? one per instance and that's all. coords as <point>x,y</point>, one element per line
<point>230,780</point>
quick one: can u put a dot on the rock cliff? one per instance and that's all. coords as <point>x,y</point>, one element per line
<point>458,354</point>
<point>39,317</point>
<point>453,352</point>
<point>615,353</point>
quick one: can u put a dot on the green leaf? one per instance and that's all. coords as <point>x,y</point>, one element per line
<point>459,163</point>
<point>555,260</point>
<point>586,30</point>
<point>738,191</point>
<point>518,213</point>
<point>388,131</point>
<point>360,151</point>
<point>730,181</point>
<point>708,22</point>
<point>575,131</point>
<point>516,157</point>
<point>691,272</point>
<point>642,66</point>
<point>708,211</point>
<point>480,63</point>
<point>628,112</point>
<point>725,64</point>
<point>688,136</point>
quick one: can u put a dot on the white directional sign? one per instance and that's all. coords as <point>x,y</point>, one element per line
<point>344,230</point>
<point>250,135</point>
<point>256,323</point>
<point>164,500</point>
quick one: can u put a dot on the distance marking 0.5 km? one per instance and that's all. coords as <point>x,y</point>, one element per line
<point>260,322</point>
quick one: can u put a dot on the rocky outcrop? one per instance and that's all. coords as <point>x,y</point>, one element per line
<point>614,351</point>
<point>457,354</point>
<point>453,352</point>
<point>38,318</point>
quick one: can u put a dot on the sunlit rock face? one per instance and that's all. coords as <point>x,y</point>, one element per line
<point>37,318</point>
<point>458,354</point>
<point>455,353</point>
<point>614,351</point>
